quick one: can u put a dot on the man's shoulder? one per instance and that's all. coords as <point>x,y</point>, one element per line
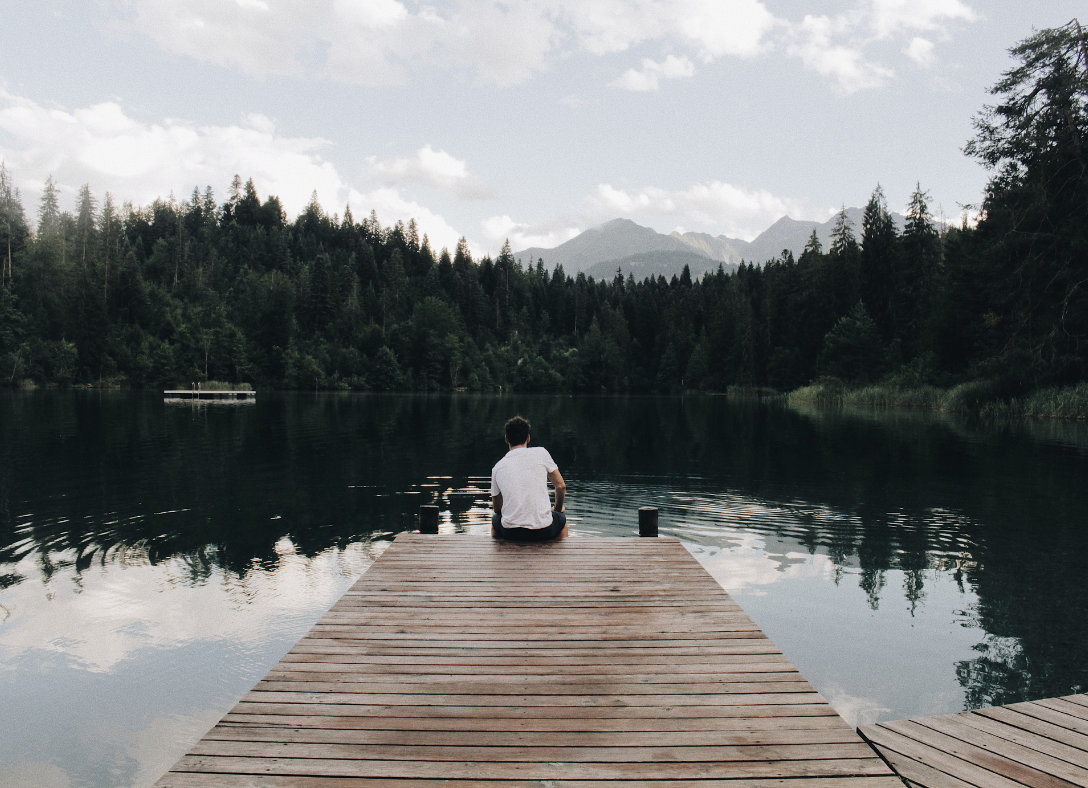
<point>544,456</point>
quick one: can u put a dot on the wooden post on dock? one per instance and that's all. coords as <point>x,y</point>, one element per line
<point>428,519</point>
<point>647,521</point>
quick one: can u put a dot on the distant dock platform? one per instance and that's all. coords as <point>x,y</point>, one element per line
<point>175,394</point>
<point>467,662</point>
<point>1042,744</point>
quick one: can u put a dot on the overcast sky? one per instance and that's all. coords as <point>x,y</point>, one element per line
<point>526,119</point>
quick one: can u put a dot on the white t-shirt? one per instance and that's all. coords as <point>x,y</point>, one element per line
<point>521,477</point>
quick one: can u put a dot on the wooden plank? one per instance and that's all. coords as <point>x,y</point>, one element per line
<point>1040,743</point>
<point>502,686</point>
<point>463,661</point>
<point>1033,744</point>
<point>509,714</point>
<point>1066,706</point>
<point>1036,727</point>
<point>570,701</point>
<point>429,674</point>
<point>590,652</point>
<point>891,741</point>
<point>205,780</point>
<point>1058,718</point>
<point>460,770</point>
<point>512,666</point>
<point>1036,765</point>
<point>656,730</point>
<point>576,739</point>
<point>918,774</point>
<point>286,748</point>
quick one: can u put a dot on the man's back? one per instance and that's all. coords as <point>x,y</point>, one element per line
<point>521,478</point>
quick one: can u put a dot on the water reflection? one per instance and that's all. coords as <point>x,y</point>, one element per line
<point>155,560</point>
<point>111,671</point>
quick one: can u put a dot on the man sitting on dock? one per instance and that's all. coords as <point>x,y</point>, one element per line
<point>519,490</point>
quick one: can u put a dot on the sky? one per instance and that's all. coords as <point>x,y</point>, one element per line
<point>527,120</point>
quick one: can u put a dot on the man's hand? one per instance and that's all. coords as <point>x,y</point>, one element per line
<point>556,478</point>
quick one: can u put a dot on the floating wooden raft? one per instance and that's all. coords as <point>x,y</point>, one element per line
<point>200,394</point>
<point>465,661</point>
<point>1043,744</point>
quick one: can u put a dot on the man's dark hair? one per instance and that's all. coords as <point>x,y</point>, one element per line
<point>517,431</point>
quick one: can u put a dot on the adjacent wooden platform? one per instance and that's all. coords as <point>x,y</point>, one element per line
<point>173,394</point>
<point>1043,744</point>
<point>587,662</point>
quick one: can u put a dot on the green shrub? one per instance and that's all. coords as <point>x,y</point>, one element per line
<point>970,397</point>
<point>219,385</point>
<point>1056,403</point>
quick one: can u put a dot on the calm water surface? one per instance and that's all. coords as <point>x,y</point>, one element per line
<point>156,560</point>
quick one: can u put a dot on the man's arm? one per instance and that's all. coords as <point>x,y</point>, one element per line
<point>496,503</point>
<point>556,478</point>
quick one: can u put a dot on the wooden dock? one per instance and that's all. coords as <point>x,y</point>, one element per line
<point>1043,744</point>
<point>586,662</point>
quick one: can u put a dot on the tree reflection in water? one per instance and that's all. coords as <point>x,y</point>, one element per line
<point>96,478</point>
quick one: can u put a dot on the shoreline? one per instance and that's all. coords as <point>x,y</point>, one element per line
<point>975,398</point>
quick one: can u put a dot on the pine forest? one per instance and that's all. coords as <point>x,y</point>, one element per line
<point>983,314</point>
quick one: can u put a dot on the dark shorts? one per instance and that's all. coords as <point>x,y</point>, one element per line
<point>559,519</point>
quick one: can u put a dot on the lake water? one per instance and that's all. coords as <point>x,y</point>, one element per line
<point>157,559</point>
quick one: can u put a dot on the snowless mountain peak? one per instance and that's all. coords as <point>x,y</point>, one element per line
<point>642,251</point>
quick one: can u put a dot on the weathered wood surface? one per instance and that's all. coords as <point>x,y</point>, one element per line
<point>586,662</point>
<point>1043,744</point>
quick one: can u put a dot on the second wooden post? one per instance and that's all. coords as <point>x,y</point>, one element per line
<point>647,521</point>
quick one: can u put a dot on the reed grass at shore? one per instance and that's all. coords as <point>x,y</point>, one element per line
<point>218,385</point>
<point>977,397</point>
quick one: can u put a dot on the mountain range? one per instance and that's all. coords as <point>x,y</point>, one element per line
<point>642,251</point>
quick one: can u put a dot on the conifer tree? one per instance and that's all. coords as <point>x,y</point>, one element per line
<point>916,278</point>
<point>1035,142</point>
<point>843,242</point>
<point>879,249</point>
<point>852,350</point>
<point>13,228</point>
<point>845,256</point>
<point>85,223</point>
<point>49,209</point>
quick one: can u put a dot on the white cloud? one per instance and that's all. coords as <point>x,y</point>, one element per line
<point>371,13</point>
<point>391,205</point>
<point>854,709</point>
<point>713,28</point>
<point>374,41</point>
<point>835,46</point>
<point>367,42</point>
<point>890,17</point>
<point>429,167</point>
<point>104,146</point>
<point>920,50</point>
<point>649,78</point>
<point>36,774</point>
<point>727,209</point>
<point>379,42</point>
<point>725,28</point>
<point>127,611</point>
<point>522,236</point>
<point>814,42</point>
